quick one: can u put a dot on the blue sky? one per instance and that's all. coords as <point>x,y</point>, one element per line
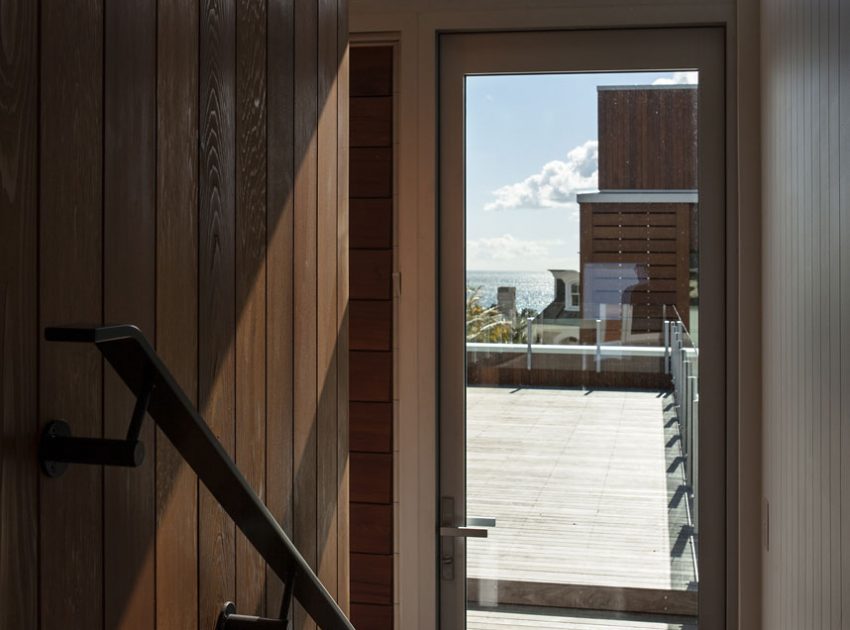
<point>531,144</point>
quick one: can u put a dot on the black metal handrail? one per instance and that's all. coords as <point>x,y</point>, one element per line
<point>157,392</point>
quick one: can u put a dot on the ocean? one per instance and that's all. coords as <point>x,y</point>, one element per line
<point>534,289</point>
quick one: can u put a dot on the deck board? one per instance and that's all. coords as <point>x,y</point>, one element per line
<point>579,485</point>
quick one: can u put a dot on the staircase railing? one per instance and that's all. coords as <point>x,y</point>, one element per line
<point>158,395</point>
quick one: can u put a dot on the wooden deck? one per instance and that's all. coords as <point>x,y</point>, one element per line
<point>529,618</point>
<point>588,496</point>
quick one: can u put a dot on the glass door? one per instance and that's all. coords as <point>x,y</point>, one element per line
<point>582,422</point>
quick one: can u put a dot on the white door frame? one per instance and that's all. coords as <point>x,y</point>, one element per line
<point>588,51</point>
<point>415,25</point>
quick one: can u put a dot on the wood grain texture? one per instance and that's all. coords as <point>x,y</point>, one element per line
<point>371,324</point>
<point>279,269</point>
<point>372,616</point>
<point>305,288</point>
<point>216,288</point>
<point>129,285</point>
<point>371,274</point>
<point>647,138</point>
<point>371,427</point>
<point>805,107</point>
<point>71,290</point>
<point>371,376</point>
<point>371,223</point>
<point>327,296</point>
<point>372,478</point>
<point>343,343</point>
<point>371,121</point>
<point>250,340</point>
<point>177,304</point>
<point>371,579</point>
<point>371,71</point>
<point>371,172</point>
<point>371,528</point>
<point>19,562</point>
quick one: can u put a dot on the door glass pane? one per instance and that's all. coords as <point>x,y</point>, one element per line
<point>582,314</point>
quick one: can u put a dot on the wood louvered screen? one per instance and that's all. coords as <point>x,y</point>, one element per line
<point>635,254</point>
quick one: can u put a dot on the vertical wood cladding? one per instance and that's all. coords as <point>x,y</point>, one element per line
<point>180,165</point>
<point>647,138</point>
<point>371,336</point>
<point>805,70</point>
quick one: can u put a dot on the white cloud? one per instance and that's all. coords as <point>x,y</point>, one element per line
<point>679,78</point>
<point>507,247</point>
<point>555,185</point>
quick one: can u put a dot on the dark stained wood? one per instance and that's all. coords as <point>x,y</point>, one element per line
<point>343,336</point>
<point>327,296</point>
<point>70,290</point>
<point>371,172</point>
<point>371,121</point>
<point>647,138</point>
<point>19,573</point>
<point>305,295</point>
<point>371,324</point>
<point>371,376</point>
<point>371,274</point>
<point>371,528</point>
<point>251,283</point>
<point>177,305</point>
<point>371,426</point>
<point>371,71</point>
<point>372,616</point>
<point>129,280</point>
<point>279,317</point>
<point>371,478</point>
<point>371,223</point>
<point>371,579</point>
<point>216,318</point>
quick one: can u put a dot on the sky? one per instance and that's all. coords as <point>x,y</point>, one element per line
<point>530,146</point>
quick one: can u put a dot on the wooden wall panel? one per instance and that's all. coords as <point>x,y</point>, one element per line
<point>305,293</point>
<point>19,313</point>
<point>129,279</point>
<point>173,165</point>
<point>371,329</point>
<point>250,353</point>
<point>177,304</point>
<point>326,299</point>
<point>216,290</point>
<point>279,276</point>
<point>805,69</point>
<point>71,290</point>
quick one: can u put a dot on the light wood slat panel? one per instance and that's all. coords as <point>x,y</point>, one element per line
<point>251,284</point>
<point>280,358</point>
<point>19,569</point>
<point>217,319</point>
<point>177,305</point>
<point>343,343</point>
<point>70,290</point>
<point>327,297</point>
<point>305,296</point>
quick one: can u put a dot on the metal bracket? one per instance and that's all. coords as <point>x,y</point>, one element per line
<point>229,620</point>
<point>58,447</point>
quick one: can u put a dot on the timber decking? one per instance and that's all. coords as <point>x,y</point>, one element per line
<point>579,486</point>
<point>521,618</point>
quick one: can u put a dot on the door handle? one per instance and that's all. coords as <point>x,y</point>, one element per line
<point>463,532</point>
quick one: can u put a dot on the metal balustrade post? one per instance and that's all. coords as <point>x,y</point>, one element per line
<point>598,345</point>
<point>666,329</point>
<point>528,341</point>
